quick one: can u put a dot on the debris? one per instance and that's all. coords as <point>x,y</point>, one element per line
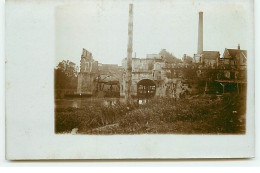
<point>74,131</point>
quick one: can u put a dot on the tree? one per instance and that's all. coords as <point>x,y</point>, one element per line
<point>68,67</point>
<point>65,76</point>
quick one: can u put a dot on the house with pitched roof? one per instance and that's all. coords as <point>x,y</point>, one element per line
<point>207,58</point>
<point>210,58</point>
<point>234,58</point>
<point>233,64</point>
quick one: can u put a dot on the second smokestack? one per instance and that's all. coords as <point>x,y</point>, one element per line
<point>130,32</point>
<point>200,33</point>
<point>128,81</point>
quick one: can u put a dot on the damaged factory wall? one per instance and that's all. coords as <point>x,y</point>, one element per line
<point>88,73</point>
<point>96,79</point>
<point>167,84</point>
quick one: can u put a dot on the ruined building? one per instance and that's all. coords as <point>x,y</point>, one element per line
<point>96,79</point>
<point>154,77</point>
<point>162,74</point>
<point>88,74</point>
<point>110,76</point>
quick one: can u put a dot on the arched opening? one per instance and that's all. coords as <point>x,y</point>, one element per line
<point>146,88</point>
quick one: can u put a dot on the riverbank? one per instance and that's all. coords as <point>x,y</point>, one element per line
<point>194,115</point>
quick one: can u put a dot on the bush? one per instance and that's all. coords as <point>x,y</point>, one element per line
<point>89,117</point>
<point>66,120</point>
<point>199,115</point>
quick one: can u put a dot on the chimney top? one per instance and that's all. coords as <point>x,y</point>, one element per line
<point>200,33</point>
<point>238,46</point>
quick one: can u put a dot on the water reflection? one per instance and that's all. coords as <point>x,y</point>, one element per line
<point>75,104</point>
<point>142,101</point>
<point>82,102</point>
<point>110,102</point>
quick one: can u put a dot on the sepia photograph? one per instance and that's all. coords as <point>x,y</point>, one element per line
<point>137,69</point>
<point>129,79</point>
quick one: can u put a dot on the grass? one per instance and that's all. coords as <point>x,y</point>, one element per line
<point>194,115</point>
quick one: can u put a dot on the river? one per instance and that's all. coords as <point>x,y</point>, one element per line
<point>82,102</point>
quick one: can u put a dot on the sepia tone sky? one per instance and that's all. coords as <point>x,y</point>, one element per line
<point>101,27</point>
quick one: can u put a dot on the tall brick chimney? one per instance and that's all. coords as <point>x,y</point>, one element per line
<point>128,81</point>
<point>200,33</point>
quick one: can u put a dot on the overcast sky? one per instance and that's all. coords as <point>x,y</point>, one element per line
<point>101,27</point>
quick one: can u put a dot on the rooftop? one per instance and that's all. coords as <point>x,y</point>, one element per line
<point>211,54</point>
<point>233,52</point>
